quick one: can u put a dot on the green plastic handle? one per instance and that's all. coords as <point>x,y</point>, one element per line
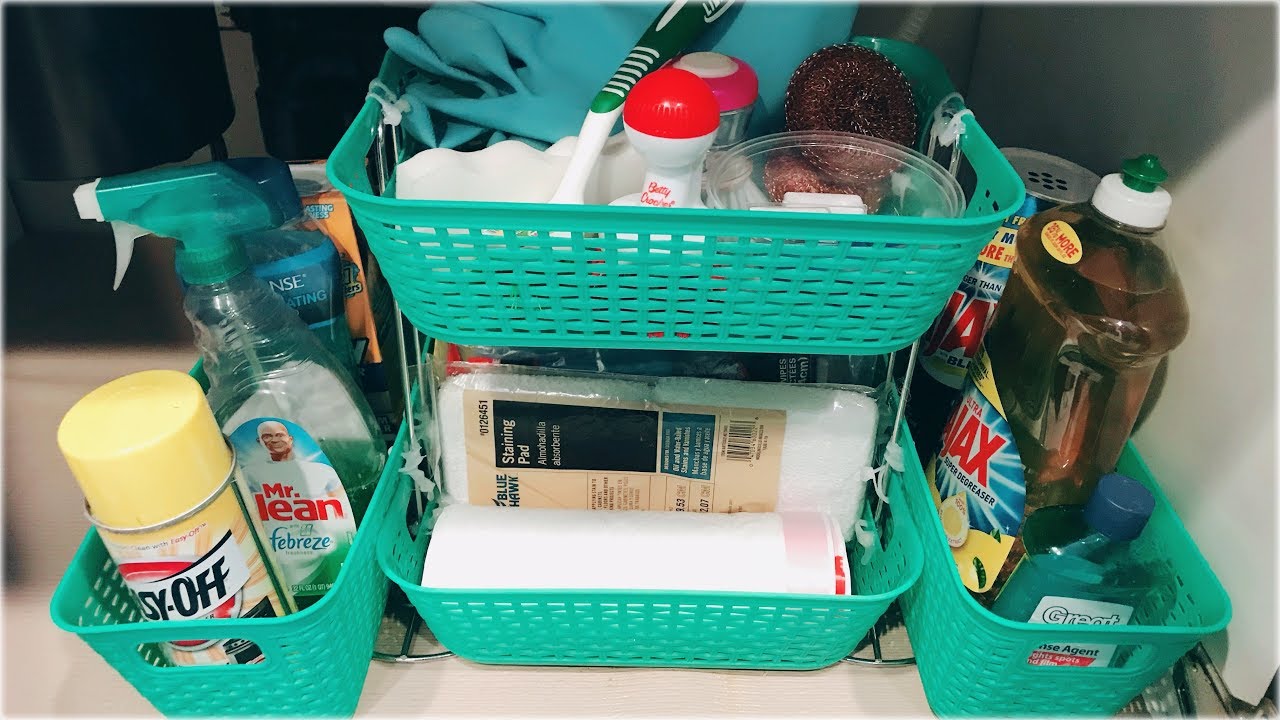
<point>678,25</point>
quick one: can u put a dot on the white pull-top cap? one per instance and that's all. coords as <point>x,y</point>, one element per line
<point>1133,197</point>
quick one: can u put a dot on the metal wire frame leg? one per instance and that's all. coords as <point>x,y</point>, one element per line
<point>410,405</point>
<point>892,619</point>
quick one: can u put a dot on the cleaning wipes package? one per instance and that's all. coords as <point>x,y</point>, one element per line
<point>515,438</point>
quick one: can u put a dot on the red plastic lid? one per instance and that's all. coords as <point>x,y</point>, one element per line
<point>672,103</point>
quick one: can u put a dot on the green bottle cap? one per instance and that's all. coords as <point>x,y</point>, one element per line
<point>1143,173</point>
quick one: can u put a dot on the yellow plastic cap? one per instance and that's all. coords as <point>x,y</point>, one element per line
<point>145,448</point>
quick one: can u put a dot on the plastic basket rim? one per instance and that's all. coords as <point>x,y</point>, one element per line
<point>910,577</point>
<point>186,627</point>
<point>820,221</point>
<point>955,585</point>
<point>549,212</point>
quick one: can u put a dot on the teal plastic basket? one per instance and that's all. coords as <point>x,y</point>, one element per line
<point>655,628</point>
<point>314,661</point>
<point>493,274</point>
<point>973,662</point>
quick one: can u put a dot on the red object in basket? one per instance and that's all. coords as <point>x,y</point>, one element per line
<point>672,103</point>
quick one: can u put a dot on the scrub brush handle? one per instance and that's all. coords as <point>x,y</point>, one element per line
<point>678,25</point>
<point>672,31</point>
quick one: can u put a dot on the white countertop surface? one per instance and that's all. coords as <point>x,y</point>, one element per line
<point>50,672</point>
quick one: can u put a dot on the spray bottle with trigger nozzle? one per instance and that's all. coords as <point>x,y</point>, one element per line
<point>304,435</point>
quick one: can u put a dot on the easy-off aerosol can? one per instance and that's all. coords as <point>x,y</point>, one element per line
<point>159,485</point>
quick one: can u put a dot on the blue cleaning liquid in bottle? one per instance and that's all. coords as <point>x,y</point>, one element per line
<point>298,261</point>
<point>1082,568</point>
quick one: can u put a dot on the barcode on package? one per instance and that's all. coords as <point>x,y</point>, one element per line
<point>741,440</point>
<point>606,453</point>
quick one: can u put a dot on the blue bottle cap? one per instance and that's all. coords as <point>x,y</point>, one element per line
<point>1119,507</point>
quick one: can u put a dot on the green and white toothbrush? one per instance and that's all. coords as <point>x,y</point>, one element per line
<point>679,24</point>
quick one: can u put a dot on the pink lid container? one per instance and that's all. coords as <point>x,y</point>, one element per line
<point>732,81</point>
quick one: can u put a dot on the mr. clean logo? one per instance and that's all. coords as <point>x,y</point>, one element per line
<point>180,589</point>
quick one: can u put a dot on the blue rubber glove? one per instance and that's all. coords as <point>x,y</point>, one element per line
<point>529,71</point>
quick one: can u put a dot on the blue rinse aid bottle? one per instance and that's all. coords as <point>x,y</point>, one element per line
<point>1081,568</point>
<point>305,439</point>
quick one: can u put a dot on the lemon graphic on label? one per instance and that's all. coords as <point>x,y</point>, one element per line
<point>980,558</point>
<point>955,520</point>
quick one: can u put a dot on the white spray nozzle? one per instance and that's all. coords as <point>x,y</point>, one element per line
<point>86,198</point>
<point>125,235</point>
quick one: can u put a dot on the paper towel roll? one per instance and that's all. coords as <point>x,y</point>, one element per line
<point>827,443</point>
<point>475,546</point>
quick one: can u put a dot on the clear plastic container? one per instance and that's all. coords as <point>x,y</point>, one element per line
<point>887,178</point>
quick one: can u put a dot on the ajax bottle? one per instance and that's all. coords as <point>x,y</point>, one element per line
<point>949,345</point>
<point>1092,306</point>
<point>305,439</point>
<point>1081,567</point>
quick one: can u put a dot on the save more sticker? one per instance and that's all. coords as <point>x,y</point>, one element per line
<point>1062,242</point>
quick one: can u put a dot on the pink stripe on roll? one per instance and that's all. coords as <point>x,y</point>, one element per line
<point>811,540</point>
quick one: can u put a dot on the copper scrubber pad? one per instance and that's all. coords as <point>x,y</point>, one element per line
<point>849,88</point>
<point>789,172</point>
<point>852,89</point>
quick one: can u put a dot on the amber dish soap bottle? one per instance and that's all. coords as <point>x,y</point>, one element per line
<point>1092,306</point>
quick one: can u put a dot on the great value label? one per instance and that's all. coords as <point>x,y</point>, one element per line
<point>1054,610</point>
